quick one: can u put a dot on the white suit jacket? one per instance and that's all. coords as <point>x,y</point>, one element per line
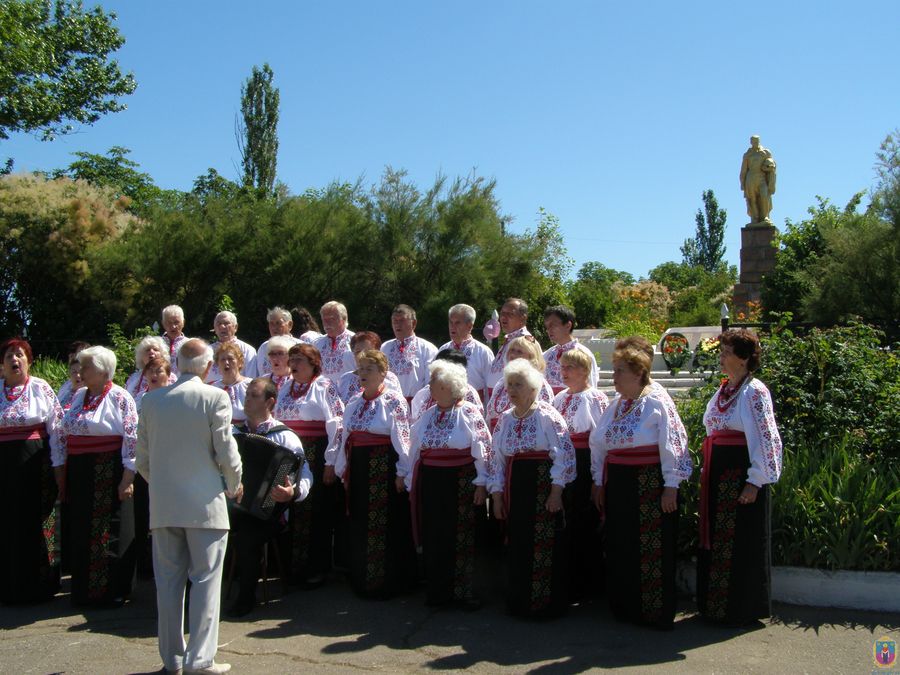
<point>184,450</point>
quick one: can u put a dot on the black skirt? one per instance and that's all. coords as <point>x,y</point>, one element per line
<point>29,522</point>
<point>585,550</point>
<point>733,576</point>
<point>641,544</point>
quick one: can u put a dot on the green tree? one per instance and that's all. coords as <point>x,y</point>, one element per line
<point>257,130</point>
<point>706,249</point>
<point>697,294</point>
<point>591,293</point>
<point>55,67</point>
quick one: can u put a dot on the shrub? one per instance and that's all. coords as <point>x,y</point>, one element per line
<point>54,371</point>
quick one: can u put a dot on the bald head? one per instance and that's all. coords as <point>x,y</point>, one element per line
<point>195,357</point>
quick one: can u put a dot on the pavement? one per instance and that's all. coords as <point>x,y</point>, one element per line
<point>330,630</point>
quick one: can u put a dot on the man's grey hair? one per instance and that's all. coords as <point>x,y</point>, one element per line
<point>172,310</point>
<point>279,313</point>
<point>196,365</point>
<point>228,315</point>
<point>466,311</point>
<point>334,304</point>
<point>404,310</point>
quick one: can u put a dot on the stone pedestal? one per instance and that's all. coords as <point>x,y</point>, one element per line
<point>757,260</point>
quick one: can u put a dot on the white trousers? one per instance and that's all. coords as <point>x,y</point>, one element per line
<point>179,554</point>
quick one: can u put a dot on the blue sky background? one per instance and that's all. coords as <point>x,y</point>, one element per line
<point>613,116</point>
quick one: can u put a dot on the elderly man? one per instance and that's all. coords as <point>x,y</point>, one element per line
<point>513,317</point>
<point>408,354</point>
<point>334,346</point>
<point>184,451</point>
<point>559,321</point>
<point>478,355</point>
<point>173,324</point>
<point>280,323</point>
<point>226,327</point>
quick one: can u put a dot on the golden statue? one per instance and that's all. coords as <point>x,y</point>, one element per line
<point>758,182</point>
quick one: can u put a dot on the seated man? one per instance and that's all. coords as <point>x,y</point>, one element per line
<point>251,533</point>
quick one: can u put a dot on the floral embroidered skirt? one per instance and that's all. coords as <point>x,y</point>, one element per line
<point>29,523</point>
<point>537,549</point>
<point>382,557</point>
<point>733,576</point>
<point>450,523</point>
<point>101,529</point>
<point>640,544</point>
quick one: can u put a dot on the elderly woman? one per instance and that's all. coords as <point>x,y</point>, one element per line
<point>95,473</point>
<point>305,326</point>
<point>229,362</point>
<point>348,384</point>
<point>150,347</point>
<point>382,558</point>
<point>74,383</point>
<point>581,407</point>
<point>446,473</point>
<point>423,400</point>
<point>276,355</point>
<point>29,419</point>
<point>533,461</point>
<point>310,406</point>
<point>280,325</point>
<point>742,456</point>
<point>523,347</point>
<point>639,456</point>
<point>173,325</point>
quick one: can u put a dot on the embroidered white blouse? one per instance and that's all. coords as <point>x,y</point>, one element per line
<point>499,402</point>
<point>553,372</point>
<point>261,364</point>
<point>385,414</point>
<point>65,394</point>
<point>115,415</point>
<point>34,403</point>
<point>581,411</point>
<point>320,402</point>
<point>495,373</point>
<point>348,386</point>
<point>237,392</point>
<point>422,401</point>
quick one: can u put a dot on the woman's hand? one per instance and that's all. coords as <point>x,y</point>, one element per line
<point>748,494</point>
<point>400,484</point>
<point>480,495</point>
<point>328,475</point>
<point>669,499</point>
<point>59,473</point>
<point>554,501</point>
<point>126,485</point>
<point>499,507</point>
<point>598,496</point>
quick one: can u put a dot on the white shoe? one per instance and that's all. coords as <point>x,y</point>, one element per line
<point>212,669</point>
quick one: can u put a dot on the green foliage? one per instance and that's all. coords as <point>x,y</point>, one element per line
<point>591,294</point>
<point>55,66</point>
<point>553,262</point>
<point>697,294</point>
<point>257,130</point>
<point>226,304</point>
<point>124,347</point>
<point>706,250</point>
<point>54,371</point>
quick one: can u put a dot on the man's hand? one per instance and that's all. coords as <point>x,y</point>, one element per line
<point>237,495</point>
<point>283,493</point>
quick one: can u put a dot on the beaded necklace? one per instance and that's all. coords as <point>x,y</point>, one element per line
<point>11,397</point>
<point>728,395</point>
<point>93,402</point>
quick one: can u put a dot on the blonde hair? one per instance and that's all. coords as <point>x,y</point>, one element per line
<point>578,358</point>
<point>635,358</point>
<point>530,346</point>
<point>373,356</point>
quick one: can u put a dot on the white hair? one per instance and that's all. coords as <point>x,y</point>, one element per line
<point>334,304</point>
<point>467,311</point>
<point>173,311</point>
<point>280,341</point>
<point>231,316</point>
<point>196,365</point>
<point>522,369</point>
<point>451,375</point>
<point>101,358</point>
<point>279,313</point>
<point>140,351</point>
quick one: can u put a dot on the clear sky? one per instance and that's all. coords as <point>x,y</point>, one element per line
<point>613,116</point>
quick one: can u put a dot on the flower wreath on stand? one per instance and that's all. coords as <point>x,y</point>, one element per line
<point>675,351</point>
<point>706,357</point>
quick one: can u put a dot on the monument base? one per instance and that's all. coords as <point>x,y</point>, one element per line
<point>757,259</point>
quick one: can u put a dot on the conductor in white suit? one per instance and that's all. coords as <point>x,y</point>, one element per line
<point>184,450</point>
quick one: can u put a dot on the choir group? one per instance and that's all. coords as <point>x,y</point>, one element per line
<point>453,454</point>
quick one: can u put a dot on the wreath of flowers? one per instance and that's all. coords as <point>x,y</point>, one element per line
<point>706,356</point>
<point>675,351</point>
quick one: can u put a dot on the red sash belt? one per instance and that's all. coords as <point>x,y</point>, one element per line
<point>529,455</point>
<point>28,433</point>
<point>641,455</point>
<point>580,440</point>
<point>444,457</point>
<point>359,439</point>
<point>556,389</point>
<point>718,437</point>
<point>307,428</point>
<point>89,445</point>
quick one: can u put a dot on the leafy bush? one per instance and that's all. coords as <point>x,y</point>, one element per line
<point>54,371</point>
<point>124,349</point>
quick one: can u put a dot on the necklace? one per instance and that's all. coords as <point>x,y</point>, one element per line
<point>92,402</point>
<point>301,390</point>
<point>7,391</point>
<point>728,395</point>
<point>622,411</point>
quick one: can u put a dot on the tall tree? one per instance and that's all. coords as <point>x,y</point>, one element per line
<point>707,249</point>
<point>55,66</point>
<point>258,130</point>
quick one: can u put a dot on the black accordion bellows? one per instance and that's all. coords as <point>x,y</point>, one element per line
<point>265,464</point>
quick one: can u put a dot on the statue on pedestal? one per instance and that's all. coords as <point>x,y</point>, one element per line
<point>758,182</point>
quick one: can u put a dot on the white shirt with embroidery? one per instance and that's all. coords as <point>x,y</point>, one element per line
<point>386,414</point>
<point>408,359</point>
<point>581,411</point>
<point>337,357</point>
<point>478,361</point>
<point>422,401</point>
<point>647,422</point>
<point>553,371</point>
<point>261,364</point>
<point>137,385</point>
<point>237,394</point>
<point>460,427</point>
<point>499,402</point>
<point>310,337</point>
<point>318,402</point>
<point>115,415</point>
<point>248,352</point>
<point>65,394</point>
<point>288,439</point>
<point>34,403</point>
<point>173,347</point>
<point>753,414</point>
<point>495,372</point>
<point>542,430</point>
<point>349,386</point>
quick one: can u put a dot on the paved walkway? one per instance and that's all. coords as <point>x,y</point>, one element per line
<point>330,630</point>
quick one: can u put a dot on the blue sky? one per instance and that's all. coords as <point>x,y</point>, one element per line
<point>613,116</point>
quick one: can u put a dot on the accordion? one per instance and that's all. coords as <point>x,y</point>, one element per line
<point>265,464</point>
